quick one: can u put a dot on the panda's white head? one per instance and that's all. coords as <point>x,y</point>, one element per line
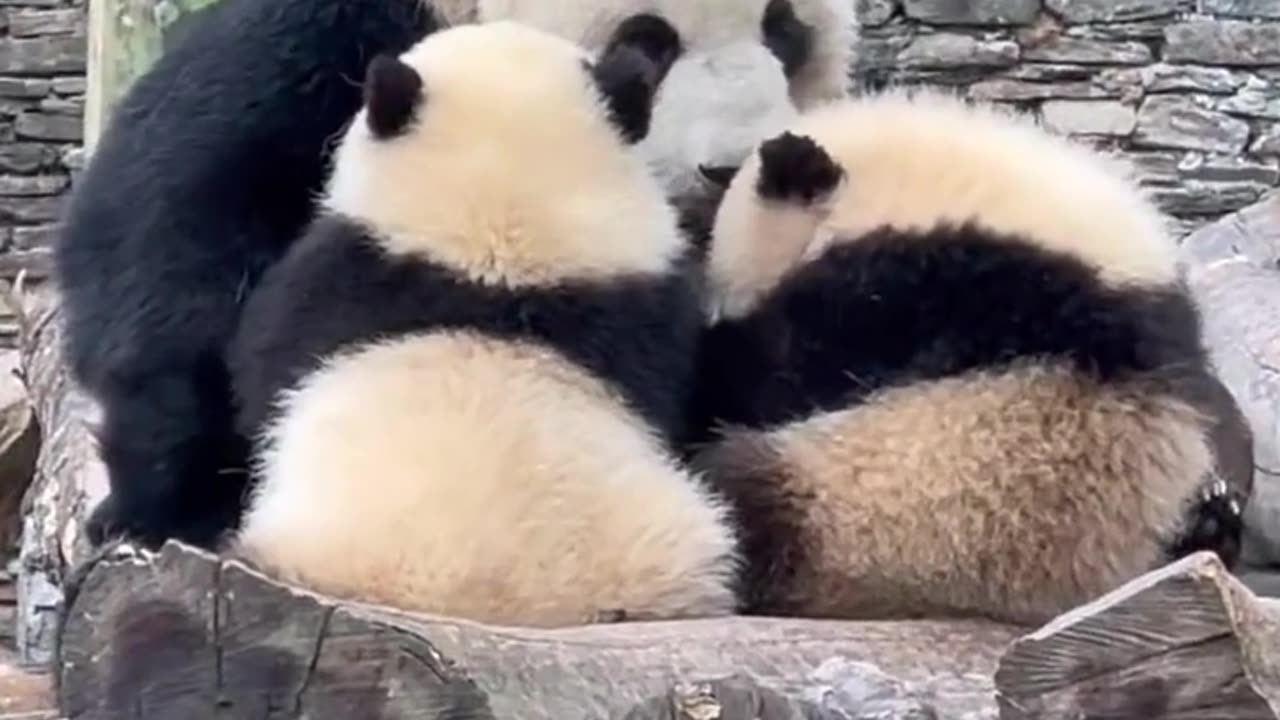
<point>507,154</point>
<point>912,160</point>
<point>742,68</point>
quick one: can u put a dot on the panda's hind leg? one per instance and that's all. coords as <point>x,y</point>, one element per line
<point>1215,519</point>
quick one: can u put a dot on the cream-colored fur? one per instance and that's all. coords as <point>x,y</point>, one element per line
<point>914,159</point>
<point>476,478</point>
<point>498,97</point>
<point>1014,494</point>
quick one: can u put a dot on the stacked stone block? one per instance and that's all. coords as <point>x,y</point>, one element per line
<point>1189,90</point>
<point>42,85</point>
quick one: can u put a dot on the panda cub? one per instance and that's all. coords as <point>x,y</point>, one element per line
<point>505,320</point>
<point>228,136</point>
<point>952,369</point>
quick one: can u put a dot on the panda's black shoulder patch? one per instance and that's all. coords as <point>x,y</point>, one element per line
<point>392,94</point>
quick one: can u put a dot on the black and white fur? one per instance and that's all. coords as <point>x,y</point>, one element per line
<point>953,370</point>
<point>466,373</point>
<point>208,169</point>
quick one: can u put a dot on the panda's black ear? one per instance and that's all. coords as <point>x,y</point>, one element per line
<point>393,92</point>
<point>630,69</point>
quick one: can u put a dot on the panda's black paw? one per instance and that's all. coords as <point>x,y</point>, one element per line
<point>794,168</point>
<point>1215,523</point>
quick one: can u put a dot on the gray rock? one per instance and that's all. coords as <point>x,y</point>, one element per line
<point>1257,99</point>
<point>26,157</point>
<point>1155,168</point>
<point>972,12</point>
<point>1228,168</point>
<point>29,23</point>
<point>874,12</point>
<point>1201,198</point>
<point>23,87</point>
<point>1186,123</point>
<point>31,185</point>
<point>1088,117</point>
<point>41,126</point>
<point>1109,11</point>
<point>13,106</point>
<point>1233,267</point>
<point>31,209</point>
<point>1088,52</point>
<point>1223,42</point>
<point>31,3</point>
<point>1267,142</point>
<point>1124,82</point>
<point>54,55</point>
<point>36,262</point>
<point>876,53</point>
<point>948,50</point>
<point>1251,9</point>
<point>63,106</point>
<point>1019,90</point>
<point>1049,72</point>
<point>29,237</point>
<point>70,85</point>
<point>74,158</point>
<point>1145,30</point>
<point>1163,77</point>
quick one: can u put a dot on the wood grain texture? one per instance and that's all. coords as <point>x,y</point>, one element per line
<point>1188,641</point>
<point>182,633</point>
<point>69,478</point>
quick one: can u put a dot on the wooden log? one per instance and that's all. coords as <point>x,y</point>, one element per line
<point>1186,641</point>
<point>69,478</point>
<point>182,634</point>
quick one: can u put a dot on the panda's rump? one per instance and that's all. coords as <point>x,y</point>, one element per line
<point>459,475</point>
<point>1014,493</point>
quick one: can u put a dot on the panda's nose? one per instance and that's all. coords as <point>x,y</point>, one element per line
<point>718,175</point>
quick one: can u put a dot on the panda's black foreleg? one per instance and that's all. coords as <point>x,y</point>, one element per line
<point>176,467</point>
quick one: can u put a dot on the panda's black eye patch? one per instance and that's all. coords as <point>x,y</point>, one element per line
<point>789,38</point>
<point>650,35</point>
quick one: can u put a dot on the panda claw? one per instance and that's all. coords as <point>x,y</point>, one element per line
<point>794,168</point>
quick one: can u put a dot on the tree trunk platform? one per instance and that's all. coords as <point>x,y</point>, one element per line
<point>184,634</point>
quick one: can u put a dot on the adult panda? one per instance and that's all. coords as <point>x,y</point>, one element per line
<point>952,370</point>
<point>465,369</point>
<point>211,162</point>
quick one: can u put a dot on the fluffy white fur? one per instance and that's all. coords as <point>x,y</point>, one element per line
<point>509,488</point>
<point>481,478</point>
<point>588,206</point>
<point>914,159</point>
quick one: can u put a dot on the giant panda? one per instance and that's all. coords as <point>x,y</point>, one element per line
<point>951,369</point>
<point>465,373</point>
<point>209,166</point>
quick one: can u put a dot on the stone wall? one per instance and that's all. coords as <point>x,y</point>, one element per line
<point>1189,89</point>
<point>42,64</point>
